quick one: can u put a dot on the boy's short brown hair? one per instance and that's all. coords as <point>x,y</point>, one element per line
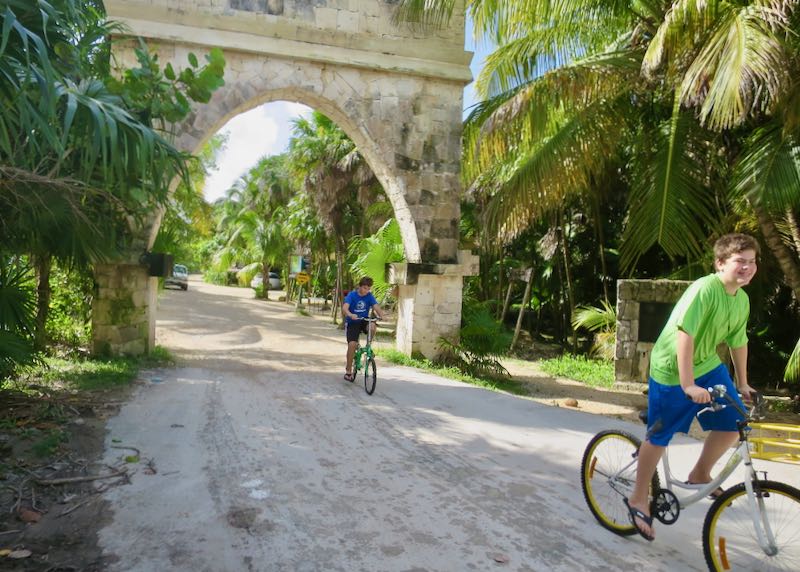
<point>365,281</point>
<point>729,244</point>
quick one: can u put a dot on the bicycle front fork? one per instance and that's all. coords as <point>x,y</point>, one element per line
<point>357,359</point>
<point>362,353</point>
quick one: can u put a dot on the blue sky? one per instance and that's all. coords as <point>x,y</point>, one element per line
<point>265,130</point>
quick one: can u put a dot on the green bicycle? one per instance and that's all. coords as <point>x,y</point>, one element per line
<point>365,352</point>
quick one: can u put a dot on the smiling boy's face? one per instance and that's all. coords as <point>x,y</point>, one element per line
<point>739,268</point>
<point>364,289</point>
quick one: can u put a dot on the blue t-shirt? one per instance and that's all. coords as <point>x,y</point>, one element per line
<point>359,305</point>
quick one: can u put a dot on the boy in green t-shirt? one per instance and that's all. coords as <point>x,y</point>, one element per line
<point>684,364</point>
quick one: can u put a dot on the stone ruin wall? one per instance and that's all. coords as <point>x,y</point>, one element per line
<point>632,355</point>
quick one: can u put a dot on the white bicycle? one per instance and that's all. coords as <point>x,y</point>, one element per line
<point>753,526</point>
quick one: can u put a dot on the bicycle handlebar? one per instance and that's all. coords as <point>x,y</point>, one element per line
<point>721,391</point>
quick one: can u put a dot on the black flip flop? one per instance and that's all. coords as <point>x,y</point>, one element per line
<point>635,513</point>
<point>349,377</point>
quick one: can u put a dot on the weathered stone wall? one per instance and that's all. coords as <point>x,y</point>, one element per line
<point>121,309</point>
<point>429,302</point>
<point>299,19</point>
<point>632,355</point>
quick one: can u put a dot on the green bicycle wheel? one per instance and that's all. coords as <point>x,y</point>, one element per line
<point>370,376</point>
<point>730,541</point>
<point>608,473</point>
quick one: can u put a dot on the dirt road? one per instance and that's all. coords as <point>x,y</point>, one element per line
<point>265,459</point>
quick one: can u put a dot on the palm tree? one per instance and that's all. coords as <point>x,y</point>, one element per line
<point>695,103</point>
<point>71,152</point>
<point>253,223</point>
<point>328,167</point>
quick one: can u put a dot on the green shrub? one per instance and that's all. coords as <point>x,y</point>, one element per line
<point>69,321</point>
<point>603,322</point>
<point>17,313</point>
<point>483,341</point>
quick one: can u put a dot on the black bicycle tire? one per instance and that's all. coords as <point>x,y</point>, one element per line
<point>725,502</point>
<point>370,381</point>
<point>605,520</point>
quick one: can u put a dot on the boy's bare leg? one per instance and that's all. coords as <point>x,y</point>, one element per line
<point>649,456</point>
<point>351,351</point>
<point>715,445</point>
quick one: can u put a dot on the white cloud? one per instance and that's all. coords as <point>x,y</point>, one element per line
<point>296,109</point>
<point>261,131</point>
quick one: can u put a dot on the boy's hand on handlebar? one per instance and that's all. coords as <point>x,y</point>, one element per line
<point>697,394</point>
<point>747,393</point>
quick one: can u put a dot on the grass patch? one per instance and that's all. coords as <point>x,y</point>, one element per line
<point>82,374</point>
<point>592,372</point>
<point>505,384</point>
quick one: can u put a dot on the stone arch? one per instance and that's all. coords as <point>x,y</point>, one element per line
<point>396,91</point>
<point>210,119</point>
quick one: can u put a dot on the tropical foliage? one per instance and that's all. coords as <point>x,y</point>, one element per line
<point>686,110</point>
<point>81,160</point>
<point>482,342</point>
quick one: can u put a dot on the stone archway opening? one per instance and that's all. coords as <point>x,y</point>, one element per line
<point>365,145</point>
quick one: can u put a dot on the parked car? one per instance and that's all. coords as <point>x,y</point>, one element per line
<point>274,281</point>
<point>179,278</point>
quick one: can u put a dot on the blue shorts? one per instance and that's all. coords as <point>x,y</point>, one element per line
<point>668,403</point>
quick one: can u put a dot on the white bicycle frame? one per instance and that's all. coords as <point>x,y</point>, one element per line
<point>766,538</point>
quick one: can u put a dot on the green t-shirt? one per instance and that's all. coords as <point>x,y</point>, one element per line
<point>711,316</point>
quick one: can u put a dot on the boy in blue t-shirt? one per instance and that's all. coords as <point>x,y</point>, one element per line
<point>356,306</point>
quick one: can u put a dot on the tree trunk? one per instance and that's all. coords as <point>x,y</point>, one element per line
<point>788,263</point>
<point>43,265</point>
<point>500,284</point>
<point>601,246</point>
<point>525,298</point>
<point>507,301</point>
<point>794,229</point>
<point>558,303</point>
<point>337,303</point>
<point>265,267</point>
<point>562,238</point>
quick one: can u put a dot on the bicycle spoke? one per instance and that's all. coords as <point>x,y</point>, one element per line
<point>607,477</point>
<point>731,541</point>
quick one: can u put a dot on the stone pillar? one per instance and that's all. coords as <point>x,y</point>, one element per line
<point>634,299</point>
<point>429,303</point>
<point>122,309</point>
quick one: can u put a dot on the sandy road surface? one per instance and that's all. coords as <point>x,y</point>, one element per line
<point>267,460</point>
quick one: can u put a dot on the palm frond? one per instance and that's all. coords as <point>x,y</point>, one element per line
<point>545,46</point>
<point>792,372</point>
<point>768,172</point>
<point>561,166</point>
<point>595,319</point>
<point>516,121</point>
<point>669,204</point>
<point>736,52</point>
